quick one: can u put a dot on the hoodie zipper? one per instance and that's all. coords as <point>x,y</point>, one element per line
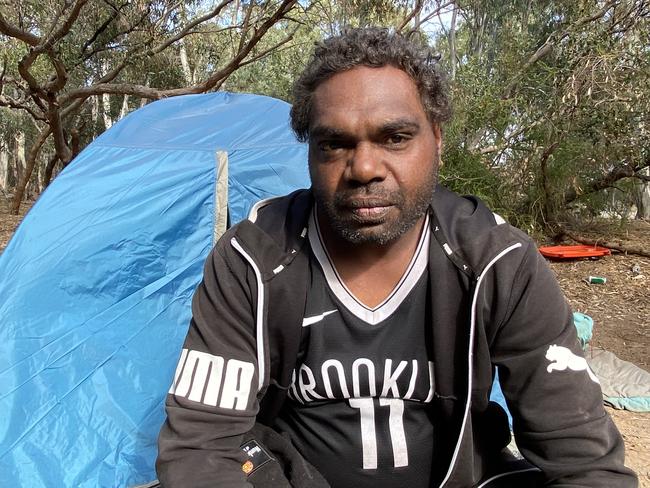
<point>470,356</point>
<point>259,315</point>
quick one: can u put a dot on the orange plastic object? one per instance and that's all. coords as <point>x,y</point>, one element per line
<point>574,252</point>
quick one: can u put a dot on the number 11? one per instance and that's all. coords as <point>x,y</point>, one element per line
<point>366,408</point>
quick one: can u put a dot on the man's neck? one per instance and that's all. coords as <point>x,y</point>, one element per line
<point>371,271</point>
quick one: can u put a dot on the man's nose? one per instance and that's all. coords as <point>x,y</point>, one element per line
<point>366,164</point>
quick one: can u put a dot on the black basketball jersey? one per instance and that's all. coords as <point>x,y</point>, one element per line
<point>359,406</point>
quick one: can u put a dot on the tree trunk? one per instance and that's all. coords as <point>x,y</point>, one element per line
<point>124,111</point>
<point>106,111</point>
<point>144,101</point>
<point>4,169</point>
<point>642,197</point>
<point>94,115</point>
<point>49,170</point>
<point>185,64</point>
<point>29,168</point>
<point>19,157</point>
<point>452,43</point>
<point>106,104</point>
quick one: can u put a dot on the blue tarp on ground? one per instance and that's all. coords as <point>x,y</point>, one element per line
<point>95,286</point>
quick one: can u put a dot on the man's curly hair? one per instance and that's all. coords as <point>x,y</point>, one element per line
<point>373,47</point>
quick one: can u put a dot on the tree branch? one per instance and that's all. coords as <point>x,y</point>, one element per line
<point>54,119</point>
<point>64,29</point>
<point>199,20</point>
<point>101,29</point>
<point>11,103</point>
<point>435,12</point>
<point>12,31</point>
<point>245,24</point>
<point>617,246</point>
<point>417,8</point>
<point>550,43</point>
<point>214,81</point>
<point>61,77</point>
<point>618,172</point>
<point>266,52</point>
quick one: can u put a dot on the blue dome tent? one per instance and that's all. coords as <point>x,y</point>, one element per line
<point>96,284</point>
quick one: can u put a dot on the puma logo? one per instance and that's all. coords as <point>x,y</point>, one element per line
<point>562,358</point>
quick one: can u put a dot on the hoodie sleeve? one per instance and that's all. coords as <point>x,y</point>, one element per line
<point>213,398</point>
<point>559,421</point>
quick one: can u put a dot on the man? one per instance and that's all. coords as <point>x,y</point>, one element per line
<point>363,319</point>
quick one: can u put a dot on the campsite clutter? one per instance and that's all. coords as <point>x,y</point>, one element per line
<point>574,252</point>
<point>625,385</point>
<point>621,325</point>
<point>596,280</point>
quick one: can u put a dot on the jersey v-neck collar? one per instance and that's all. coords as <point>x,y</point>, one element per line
<point>372,315</point>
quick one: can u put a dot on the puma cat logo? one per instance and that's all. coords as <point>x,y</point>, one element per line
<point>562,358</point>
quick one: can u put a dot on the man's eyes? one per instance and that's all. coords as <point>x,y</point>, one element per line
<point>395,140</point>
<point>398,139</point>
<point>329,146</point>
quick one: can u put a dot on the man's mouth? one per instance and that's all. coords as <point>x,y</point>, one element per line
<point>368,210</point>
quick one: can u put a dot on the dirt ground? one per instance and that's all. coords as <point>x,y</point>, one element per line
<point>619,308</point>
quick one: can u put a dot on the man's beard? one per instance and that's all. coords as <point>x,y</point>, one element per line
<point>410,211</point>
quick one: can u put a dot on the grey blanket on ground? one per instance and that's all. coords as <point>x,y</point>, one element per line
<point>625,386</point>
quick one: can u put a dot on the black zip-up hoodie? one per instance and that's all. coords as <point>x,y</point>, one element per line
<point>495,303</point>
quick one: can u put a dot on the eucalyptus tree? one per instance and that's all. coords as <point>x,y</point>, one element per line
<point>552,104</point>
<point>58,54</point>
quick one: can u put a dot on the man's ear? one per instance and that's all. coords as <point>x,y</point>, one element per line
<point>437,138</point>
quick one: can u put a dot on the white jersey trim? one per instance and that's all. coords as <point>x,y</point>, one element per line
<point>470,356</point>
<point>259,314</point>
<point>417,266</point>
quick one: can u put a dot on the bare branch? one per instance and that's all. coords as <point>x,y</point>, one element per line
<point>2,74</point>
<point>245,25</point>
<point>618,172</point>
<point>21,105</point>
<point>417,8</point>
<point>199,20</point>
<point>12,31</point>
<point>617,246</point>
<point>214,81</point>
<point>54,119</point>
<point>65,27</point>
<point>101,29</point>
<point>23,68</point>
<point>61,75</point>
<point>266,52</point>
<point>55,20</point>
<point>164,18</point>
<point>435,12</point>
<point>73,107</point>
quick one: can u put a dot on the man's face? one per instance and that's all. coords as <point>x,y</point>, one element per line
<point>373,154</point>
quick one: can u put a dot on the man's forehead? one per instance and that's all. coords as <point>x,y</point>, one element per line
<point>385,94</point>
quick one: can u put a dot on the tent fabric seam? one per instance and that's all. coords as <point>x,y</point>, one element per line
<point>165,147</point>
